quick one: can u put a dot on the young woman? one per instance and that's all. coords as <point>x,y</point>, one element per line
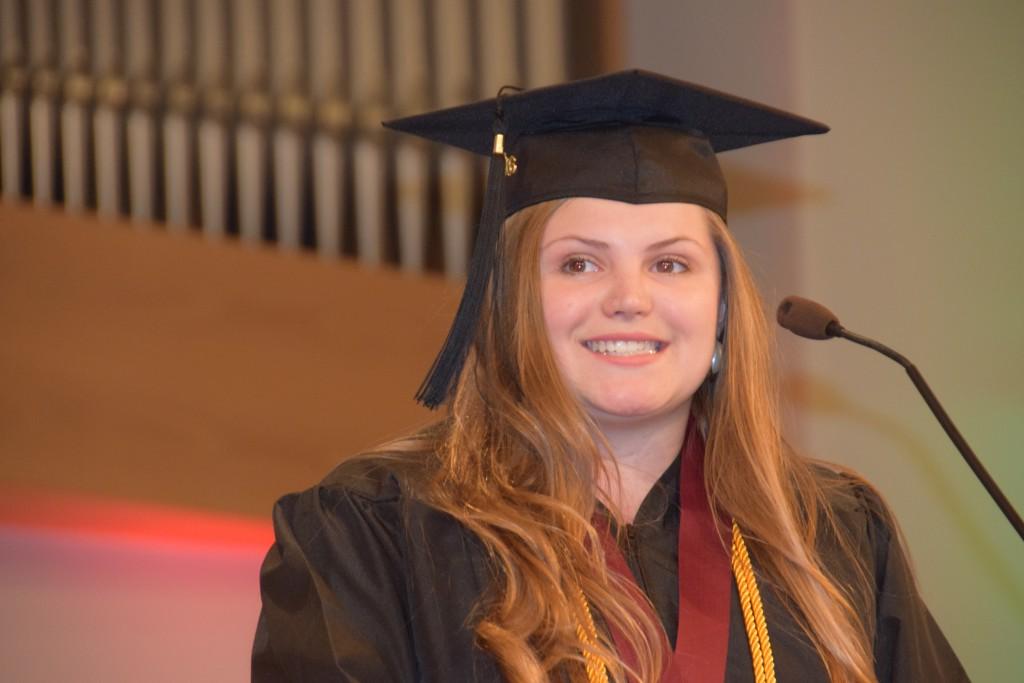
<point>608,495</point>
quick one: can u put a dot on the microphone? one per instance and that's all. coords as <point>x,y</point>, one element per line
<point>811,320</point>
<point>807,318</point>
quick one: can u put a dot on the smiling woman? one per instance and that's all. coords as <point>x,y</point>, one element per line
<point>608,496</point>
<point>631,313</point>
<point>631,316</point>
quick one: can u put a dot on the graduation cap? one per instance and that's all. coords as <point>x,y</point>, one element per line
<point>632,136</point>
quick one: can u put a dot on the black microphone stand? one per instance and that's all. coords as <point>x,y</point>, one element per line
<point>834,329</point>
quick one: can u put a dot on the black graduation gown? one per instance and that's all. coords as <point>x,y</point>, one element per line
<point>366,583</point>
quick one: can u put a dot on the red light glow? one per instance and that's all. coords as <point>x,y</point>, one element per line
<point>130,521</point>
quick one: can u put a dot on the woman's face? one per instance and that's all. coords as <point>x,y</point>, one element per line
<point>630,295</point>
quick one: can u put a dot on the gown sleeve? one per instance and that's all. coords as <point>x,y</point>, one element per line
<point>333,592</point>
<point>909,645</point>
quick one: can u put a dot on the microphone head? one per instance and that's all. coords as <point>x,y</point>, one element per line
<point>807,318</point>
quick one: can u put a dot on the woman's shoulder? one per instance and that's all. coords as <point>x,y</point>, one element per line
<point>389,473</point>
<point>856,511</point>
<point>908,644</point>
<point>375,491</point>
<point>848,495</point>
<point>361,570</point>
<point>377,477</point>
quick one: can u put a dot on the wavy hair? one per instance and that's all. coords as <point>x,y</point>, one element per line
<point>517,462</point>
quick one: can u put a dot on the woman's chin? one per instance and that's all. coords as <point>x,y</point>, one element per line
<point>624,411</point>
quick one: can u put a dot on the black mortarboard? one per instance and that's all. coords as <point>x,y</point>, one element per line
<point>633,136</point>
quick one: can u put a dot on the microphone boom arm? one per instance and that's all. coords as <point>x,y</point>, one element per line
<point>834,329</point>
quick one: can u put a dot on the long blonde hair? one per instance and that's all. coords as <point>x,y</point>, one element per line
<point>516,461</point>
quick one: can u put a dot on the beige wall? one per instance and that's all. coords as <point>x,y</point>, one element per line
<point>154,388</point>
<point>142,365</point>
<point>906,220</point>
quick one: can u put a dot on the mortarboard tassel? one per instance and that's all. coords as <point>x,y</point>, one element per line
<point>444,373</point>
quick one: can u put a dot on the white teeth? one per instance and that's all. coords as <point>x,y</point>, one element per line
<point>623,348</point>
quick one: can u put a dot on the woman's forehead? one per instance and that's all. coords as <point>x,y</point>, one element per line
<point>615,222</point>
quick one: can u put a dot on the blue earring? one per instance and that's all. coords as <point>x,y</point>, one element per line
<point>716,358</point>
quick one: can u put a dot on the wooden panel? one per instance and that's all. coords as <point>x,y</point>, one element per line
<point>137,364</point>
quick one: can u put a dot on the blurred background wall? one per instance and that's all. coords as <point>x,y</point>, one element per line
<point>217,278</point>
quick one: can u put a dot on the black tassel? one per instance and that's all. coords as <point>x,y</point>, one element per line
<point>444,373</point>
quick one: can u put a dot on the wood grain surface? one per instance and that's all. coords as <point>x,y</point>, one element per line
<point>141,365</point>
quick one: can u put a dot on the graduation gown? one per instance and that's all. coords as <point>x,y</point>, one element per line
<point>366,583</point>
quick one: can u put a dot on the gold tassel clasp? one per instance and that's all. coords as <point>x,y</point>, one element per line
<point>511,165</point>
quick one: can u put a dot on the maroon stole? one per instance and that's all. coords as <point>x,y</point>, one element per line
<point>705,580</point>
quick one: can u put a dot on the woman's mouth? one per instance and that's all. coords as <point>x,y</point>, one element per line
<point>624,347</point>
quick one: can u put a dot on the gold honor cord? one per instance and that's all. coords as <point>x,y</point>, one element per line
<point>596,670</point>
<point>753,610</point>
<point>753,620</point>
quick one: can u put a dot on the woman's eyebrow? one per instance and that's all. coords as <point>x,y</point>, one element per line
<point>669,242</point>
<point>596,244</point>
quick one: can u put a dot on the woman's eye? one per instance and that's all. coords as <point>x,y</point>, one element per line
<point>579,265</point>
<point>670,266</point>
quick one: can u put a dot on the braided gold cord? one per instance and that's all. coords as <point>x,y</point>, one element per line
<point>596,670</point>
<point>753,620</point>
<point>753,610</point>
<point>748,621</point>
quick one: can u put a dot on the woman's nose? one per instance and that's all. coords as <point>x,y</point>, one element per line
<point>627,295</point>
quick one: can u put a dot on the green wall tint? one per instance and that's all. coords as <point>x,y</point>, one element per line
<point>907,220</point>
<point>919,243</point>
